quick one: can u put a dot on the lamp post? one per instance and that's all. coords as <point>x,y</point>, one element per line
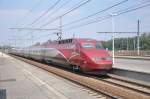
<point>138,38</point>
<point>113,34</point>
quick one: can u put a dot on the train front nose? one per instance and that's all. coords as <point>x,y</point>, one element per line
<point>98,60</point>
<point>99,66</point>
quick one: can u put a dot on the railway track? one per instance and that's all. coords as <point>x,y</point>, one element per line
<point>144,89</point>
<point>129,80</point>
<point>111,88</point>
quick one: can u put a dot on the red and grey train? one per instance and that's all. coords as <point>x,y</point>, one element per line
<point>86,55</point>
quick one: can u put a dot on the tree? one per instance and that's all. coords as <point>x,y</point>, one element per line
<point>129,43</point>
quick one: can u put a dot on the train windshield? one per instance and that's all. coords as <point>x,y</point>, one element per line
<point>92,46</point>
<point>99,46</point>
<point>88,45</point>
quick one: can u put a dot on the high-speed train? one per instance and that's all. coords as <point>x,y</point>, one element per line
<point>80,54</point>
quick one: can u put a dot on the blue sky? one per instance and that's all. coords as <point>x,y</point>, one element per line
<point>16,13</point>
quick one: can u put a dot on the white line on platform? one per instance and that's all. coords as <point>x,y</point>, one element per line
<point>42,83</point>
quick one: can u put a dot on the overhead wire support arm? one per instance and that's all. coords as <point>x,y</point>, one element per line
<point>117,32</point>
<point>38,29</point>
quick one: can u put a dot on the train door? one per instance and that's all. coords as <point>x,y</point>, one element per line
<point>43,53</point>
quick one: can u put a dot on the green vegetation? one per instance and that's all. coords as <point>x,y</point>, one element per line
<point>129,43</point>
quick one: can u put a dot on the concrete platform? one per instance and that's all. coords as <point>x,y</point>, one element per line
<point>133,65</point>
<point>23,81</point>
<point>134,57</point>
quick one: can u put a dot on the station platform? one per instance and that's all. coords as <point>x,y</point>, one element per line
<point>138,65</point>
<point>134,57</point>
<point>19,80</point>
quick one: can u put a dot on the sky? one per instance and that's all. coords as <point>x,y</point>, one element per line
<point>21,14</point>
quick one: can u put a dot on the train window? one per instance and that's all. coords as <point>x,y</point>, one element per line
<point>99,46</point>
<point>91,45</point>
<point>88,45</point>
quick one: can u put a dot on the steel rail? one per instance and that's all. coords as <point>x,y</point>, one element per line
<point>109,89</point>
<point>131,86</point>
<point>128,80</point>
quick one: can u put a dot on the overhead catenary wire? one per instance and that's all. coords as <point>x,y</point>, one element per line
<point>35,29</point>
<point>136,8</point>
<point>43,14</point>
<point>29,12</point>
<point>59,8</point>
<point>43,36</point>
<point>119,13</point>
<point>106,9</point>
<point>96,13</point>
<point>109,16</point>
<point>52,13</point>
<point>74,8</point>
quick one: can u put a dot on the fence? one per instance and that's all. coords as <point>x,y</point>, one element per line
<point>131,53</point>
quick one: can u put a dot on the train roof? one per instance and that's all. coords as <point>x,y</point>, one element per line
<point>70,40</point>
<point>84,39</point>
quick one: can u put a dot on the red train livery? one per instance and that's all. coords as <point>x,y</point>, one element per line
<point>86,55</point>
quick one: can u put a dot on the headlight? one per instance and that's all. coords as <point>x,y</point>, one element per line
<point>96,58</point>
<point>101,58</point>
